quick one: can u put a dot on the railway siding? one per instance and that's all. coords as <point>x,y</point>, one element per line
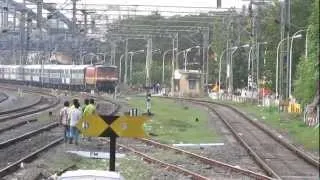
<point>313,160</point>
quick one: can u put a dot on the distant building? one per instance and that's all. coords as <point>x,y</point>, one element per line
<point>188,83</point>
<point>61,58</point>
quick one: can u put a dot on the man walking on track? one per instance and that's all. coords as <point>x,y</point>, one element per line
<point>63,118</point>
<point>90,109</point>
<point>86,103</point>
<point>75,116</point>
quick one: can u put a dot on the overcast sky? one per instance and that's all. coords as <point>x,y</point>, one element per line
<point>102,4</point>
<point>205,3</point>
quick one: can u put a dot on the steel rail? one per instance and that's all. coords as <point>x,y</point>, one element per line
<point>207,160</point>
<point>12,126</point>
<point>310,160</point>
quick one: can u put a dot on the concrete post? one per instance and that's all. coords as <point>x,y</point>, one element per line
<point>125,62</point>
<point>172,66</point>
<point>148,61</point>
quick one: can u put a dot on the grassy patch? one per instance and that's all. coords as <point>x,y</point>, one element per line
<point>291,124</point>
<point>176,122</point>
<point>133,168</point>
<point>97,164</point>
<point>61,162</point>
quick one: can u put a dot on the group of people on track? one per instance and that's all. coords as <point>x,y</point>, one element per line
<point>70,115</point>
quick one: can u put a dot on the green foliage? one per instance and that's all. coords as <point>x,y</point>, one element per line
<point>269,31</point>
<point>240,68</point>
<point>305,85</point>
<point>138,77</point>
<point>271,34</point>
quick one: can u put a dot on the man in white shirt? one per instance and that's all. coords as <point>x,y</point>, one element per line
<point>63,120</point>
<point>75,116</point>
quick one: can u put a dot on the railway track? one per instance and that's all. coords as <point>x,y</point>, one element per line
<point>16,148</point>
<point>189,174</point>
<point>235,171</point>
<point>214,163</point>
<point>26,147</point>
<point>279,159</point>
<point>186,163</point>
<point>14,110</point>
<point>3,97</point>
<point>7,126</point>
<point>45,102</point>
<point>167,166</point>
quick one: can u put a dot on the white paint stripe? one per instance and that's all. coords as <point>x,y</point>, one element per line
<point>205,144</point>
<point>97,155</point>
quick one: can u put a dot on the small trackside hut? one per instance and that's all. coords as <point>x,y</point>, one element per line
<point>188,83</point>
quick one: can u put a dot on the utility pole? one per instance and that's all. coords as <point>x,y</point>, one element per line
<point>252,46</point>
<point>1,16</point>
<point>288,14</point>
<point>85,14</point>
<point>39,13</point>
<point>4,19</point>
<point>29,31</point>
<point>14,19</point>
<point>39,27</point>
<point>229,64</point>
<point>22,33</point>
<point>113,53</point>
<point>204,56</point>
<point>258,65</point>
<point>130,71</point>
<point>177,56</point>
<point>12,49</point>
<point>284,55</point>
<point>148,62</point>
<point>125,62</point>
<point>172,63</point>
<point>74,17</point>
<point>73,30</point>
<point>218,3</point>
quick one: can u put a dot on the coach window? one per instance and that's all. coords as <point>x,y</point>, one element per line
<point>192,84</point>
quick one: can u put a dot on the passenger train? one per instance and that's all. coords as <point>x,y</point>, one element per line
<point>78,77</point>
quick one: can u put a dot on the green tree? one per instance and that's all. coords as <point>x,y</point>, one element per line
<point>306,86</point>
